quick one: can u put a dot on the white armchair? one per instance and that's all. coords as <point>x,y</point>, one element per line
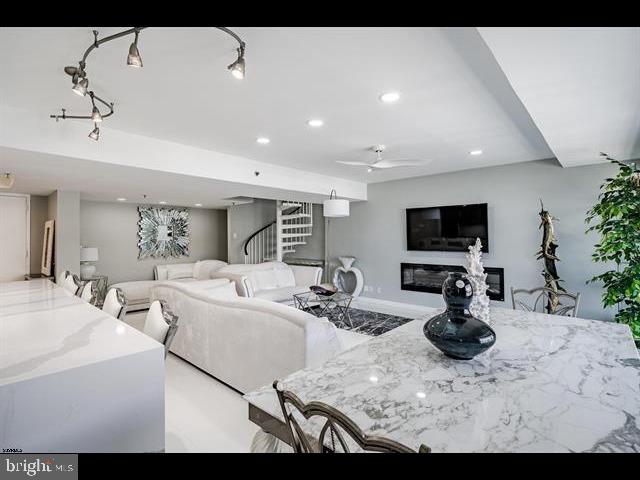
<point>275,281</point>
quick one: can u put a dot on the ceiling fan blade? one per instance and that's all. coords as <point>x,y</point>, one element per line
<point>400,163</point>
<point>360,164</point>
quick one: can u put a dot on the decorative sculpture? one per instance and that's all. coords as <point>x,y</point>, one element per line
<point>479,307</point>
<point>548,254</point>
<point>347,268</point>
<point>455,332</point>
<point>163,232</point>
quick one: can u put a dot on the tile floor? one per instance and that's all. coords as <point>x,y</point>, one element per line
<point>202,414</point>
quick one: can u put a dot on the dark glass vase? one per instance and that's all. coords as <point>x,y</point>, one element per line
<point>456,332</point>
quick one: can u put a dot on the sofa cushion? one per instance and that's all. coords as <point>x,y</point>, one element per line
<point>179,271</point>
<point>137,290</point>
<point>274,277</point>
<point>203,269</point>
<point>160,271</point>
<point>281,294</point>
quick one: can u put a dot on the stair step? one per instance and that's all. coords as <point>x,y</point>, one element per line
<point>290,204</point>
<point>285,244</point>
<point>296,215</point>
<point>289,226</point>
<point>293,235</point>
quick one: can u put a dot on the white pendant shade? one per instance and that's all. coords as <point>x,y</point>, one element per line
<point>335,207</point>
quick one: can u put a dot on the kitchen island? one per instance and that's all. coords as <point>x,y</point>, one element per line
<point>74,379</point>
<point>549,384</point>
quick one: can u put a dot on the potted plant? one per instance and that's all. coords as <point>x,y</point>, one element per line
<point>616,217</point>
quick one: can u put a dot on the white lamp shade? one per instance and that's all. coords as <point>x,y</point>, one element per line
<point>89,254</point>
<point>335,207</point>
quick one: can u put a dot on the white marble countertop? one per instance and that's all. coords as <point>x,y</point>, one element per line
<point>44,330</point>
<point>549,384</point>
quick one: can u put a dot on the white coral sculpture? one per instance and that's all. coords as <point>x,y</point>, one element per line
<point>475,272</point>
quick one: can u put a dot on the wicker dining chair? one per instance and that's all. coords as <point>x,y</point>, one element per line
<point>335,423</point>
<point>568,303</point>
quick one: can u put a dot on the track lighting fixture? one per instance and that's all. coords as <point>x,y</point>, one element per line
<point>80,87</point>
<point>95,133</point>
<point>81,82</point>
<point>237,67</point>
<point>134,59</point>
<point>95,113</point>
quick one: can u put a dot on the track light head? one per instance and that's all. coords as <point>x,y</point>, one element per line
<point>134,59</point>
<point>80,87</point>
<point>237,67</point>
<point>95,133</point>
<point>96,116</point>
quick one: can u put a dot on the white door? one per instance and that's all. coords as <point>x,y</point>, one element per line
<point>14,237</point>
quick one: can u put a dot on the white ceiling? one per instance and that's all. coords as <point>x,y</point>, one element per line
<point>455,97</point>
<point>580,85</point>
<point>42,174</point>
<point>517,94</point>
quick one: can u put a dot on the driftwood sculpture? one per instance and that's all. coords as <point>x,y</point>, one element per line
<point>548,254</point>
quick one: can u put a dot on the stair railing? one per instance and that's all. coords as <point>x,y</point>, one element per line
<point>263,241</point>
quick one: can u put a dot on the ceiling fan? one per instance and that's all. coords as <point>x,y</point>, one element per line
<point>381,164</point>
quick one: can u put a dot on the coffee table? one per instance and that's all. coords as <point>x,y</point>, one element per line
<point>335,307</point>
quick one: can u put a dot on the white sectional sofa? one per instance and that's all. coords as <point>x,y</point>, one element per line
<point>247,342</point>
<point>275,281</point>
<point>137,292</point>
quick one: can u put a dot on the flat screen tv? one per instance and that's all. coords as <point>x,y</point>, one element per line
<point>447,229</point>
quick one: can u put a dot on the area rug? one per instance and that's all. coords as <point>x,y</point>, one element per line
<point>370,323</point>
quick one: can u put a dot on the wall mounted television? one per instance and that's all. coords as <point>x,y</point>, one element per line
<point>450,228</point>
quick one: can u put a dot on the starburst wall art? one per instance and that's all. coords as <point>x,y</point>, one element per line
<point>163,232</point>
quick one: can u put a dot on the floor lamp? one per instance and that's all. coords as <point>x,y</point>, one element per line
<point>333,207</point>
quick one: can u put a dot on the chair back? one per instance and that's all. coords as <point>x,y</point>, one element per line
<point>162,327</point>
<point>115,303</point>
<point>62,277</point>
<point>89,292</point>
<point>335,424</point>
<point>72,284</point>
<point>545,300</point>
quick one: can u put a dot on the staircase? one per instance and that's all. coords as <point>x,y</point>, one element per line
<point>293,224</point>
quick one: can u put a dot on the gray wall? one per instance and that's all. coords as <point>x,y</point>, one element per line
<point>64,208</point>
<point>113,228</point>
<point>375,233</point>
<point>38,215</point>
<point>244,220</point>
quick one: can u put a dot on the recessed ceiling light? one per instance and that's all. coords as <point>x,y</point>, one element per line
<point>263,140</point>
<point>475,152</point>
<point>162,202</point>
<point>389,97</point>
<point>315,122</point>
<point>121,199</point>
<point>197,205</point>
<point>421,395</point>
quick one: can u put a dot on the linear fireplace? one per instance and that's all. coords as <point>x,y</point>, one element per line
<point>423,277</point>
